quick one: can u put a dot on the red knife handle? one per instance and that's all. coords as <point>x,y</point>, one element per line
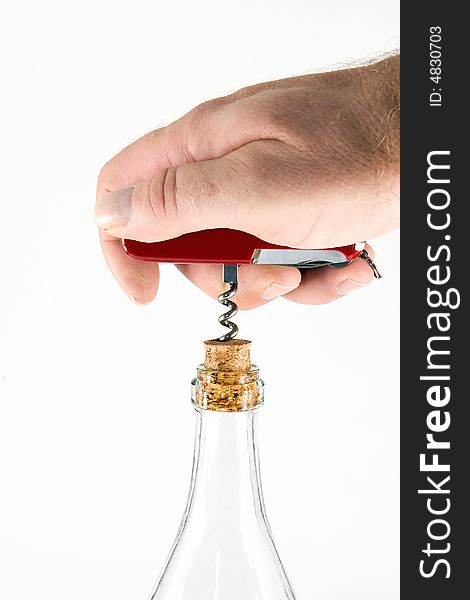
<point>213,246</point>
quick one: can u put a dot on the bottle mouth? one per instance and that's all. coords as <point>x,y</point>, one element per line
<point>227,381</point>
<point>227,391</point>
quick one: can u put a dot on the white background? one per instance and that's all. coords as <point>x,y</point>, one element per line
<point>96,425</point>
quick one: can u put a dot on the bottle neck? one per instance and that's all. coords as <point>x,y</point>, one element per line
<point>226,393</point>
<point>226,469</point>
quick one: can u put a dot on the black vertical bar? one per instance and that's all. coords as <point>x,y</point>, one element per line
<point>426,127</point>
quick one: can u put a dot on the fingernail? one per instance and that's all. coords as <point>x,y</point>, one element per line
<point>114,208</point>
<point>349,285</point>
<point>276,289</point>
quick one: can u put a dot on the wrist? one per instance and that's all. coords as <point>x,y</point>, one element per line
<point>367,101</point>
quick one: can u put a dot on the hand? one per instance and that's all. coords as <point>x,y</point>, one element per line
<point>308,162</point>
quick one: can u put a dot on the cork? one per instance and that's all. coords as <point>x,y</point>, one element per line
<point>227,381</point>
<point>233,355</point>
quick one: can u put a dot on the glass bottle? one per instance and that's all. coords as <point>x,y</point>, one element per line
<point>224,548</point>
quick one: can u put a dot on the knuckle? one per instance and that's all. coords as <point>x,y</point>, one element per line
<point>244,92</point>
<point>157,199</point>
<point>197,143</point>
<point>272,113</point>
<point>280,118</point>
<point>201,111</point>
<point>103,183</point>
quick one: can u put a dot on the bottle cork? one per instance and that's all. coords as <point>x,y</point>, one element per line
<point>227,381</point>
<point>233,355</point>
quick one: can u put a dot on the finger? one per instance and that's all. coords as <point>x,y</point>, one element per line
<point>211,130</point>
<point>257,284</point>
<point>138,279</point>
<point>326,284</point>
<point>203,195</point>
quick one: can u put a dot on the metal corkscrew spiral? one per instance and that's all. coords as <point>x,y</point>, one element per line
<point>224,319</point>
<point>230,277</point>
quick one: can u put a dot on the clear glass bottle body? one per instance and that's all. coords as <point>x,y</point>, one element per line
<point>224,548</point>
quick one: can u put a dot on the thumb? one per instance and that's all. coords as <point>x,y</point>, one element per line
<point>181,199</point>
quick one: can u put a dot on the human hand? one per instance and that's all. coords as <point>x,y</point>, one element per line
<point>307,162</point>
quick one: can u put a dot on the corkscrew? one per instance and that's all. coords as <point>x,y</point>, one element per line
<point>230,276</point>
<point>231,248</point>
